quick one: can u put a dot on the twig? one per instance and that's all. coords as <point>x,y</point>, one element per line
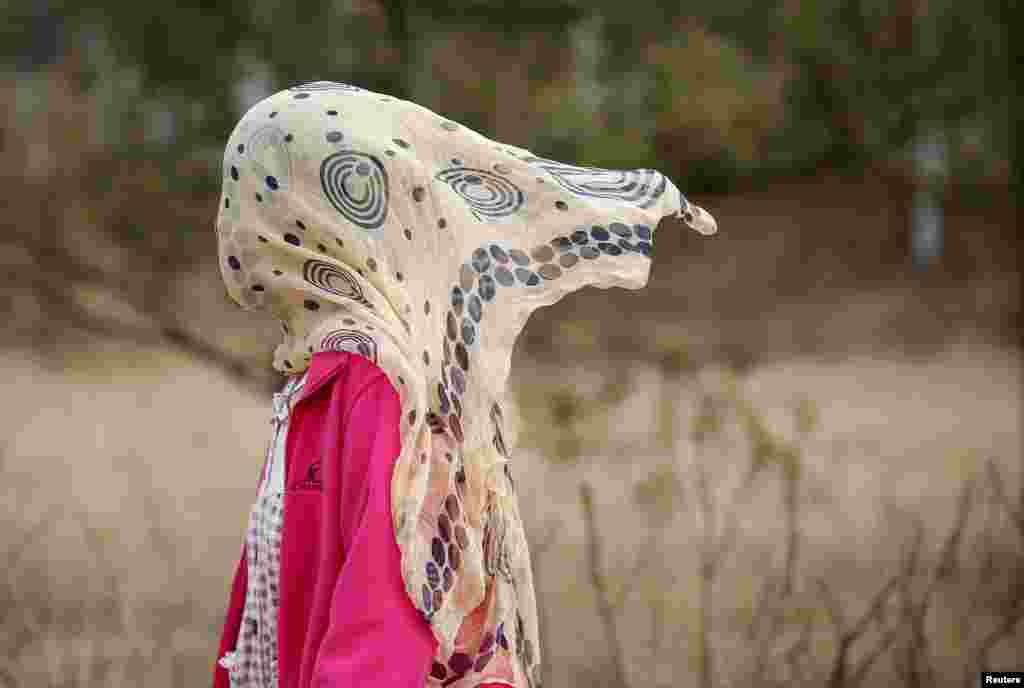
<point>1016,512</point>
<point>918,673</point>
<point>1011,617</point>
<point>948,556</point>
<point>709,558</point>
<point>847,635</point>
<point>799,649</point>
<point>1012,608</point>
<point>605,607</point>
<point>765,612</point>
<point>15,554</point>
<point>539,548</point>
<point>791,484</point>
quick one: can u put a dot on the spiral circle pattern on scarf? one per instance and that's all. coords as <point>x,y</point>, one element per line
<point>351,340</point>
<point>268,155</point>
<point>333,279</point>
<point>356,184</point>
<point>487,194</point>
<point>639,187</point>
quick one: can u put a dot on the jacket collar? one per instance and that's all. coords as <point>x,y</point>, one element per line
<point>322,369</point>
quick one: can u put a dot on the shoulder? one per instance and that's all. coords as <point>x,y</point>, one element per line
<point>349,376</point>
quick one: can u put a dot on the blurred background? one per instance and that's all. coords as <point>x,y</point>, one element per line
<point>820,482</point>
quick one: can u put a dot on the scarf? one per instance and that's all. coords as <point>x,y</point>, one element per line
<point>367,223</point>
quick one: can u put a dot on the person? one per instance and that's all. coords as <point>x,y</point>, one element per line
<point>402,253</point>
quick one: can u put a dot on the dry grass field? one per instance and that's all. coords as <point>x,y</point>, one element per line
<point>805,522</point>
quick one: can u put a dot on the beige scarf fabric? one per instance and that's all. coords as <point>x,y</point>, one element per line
<point>371,224</point>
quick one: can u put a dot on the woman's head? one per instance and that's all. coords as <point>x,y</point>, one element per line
<point>363,221</point>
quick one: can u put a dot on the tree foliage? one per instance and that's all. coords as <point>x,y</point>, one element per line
<point>717,92</point>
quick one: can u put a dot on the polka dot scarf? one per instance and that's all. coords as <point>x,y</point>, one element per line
<point>370,224</point>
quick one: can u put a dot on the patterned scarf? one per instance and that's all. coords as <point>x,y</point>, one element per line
<point>371,224</point>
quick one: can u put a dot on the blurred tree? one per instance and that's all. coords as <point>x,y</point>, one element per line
<point>696,86</point>
<point>876,77</point>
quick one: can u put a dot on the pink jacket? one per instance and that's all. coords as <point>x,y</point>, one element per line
<point>344,620</point>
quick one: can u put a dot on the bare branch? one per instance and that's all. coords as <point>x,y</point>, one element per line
<point>605,608</point>
<point>839,675</point>
<point>835,612</point>
<point>799,649</point>
<point>54,267</point>
<point>642,563</point>
<point>261,384</point>
<point>917,668</point>
<point>948,557</point>
<point>868,661</point>
<point>877,604</point>
<point>15,553</point>
<point>538,548</point>
<point>995,479</point>
<point>1011,617</point>
<point>763,607</point>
